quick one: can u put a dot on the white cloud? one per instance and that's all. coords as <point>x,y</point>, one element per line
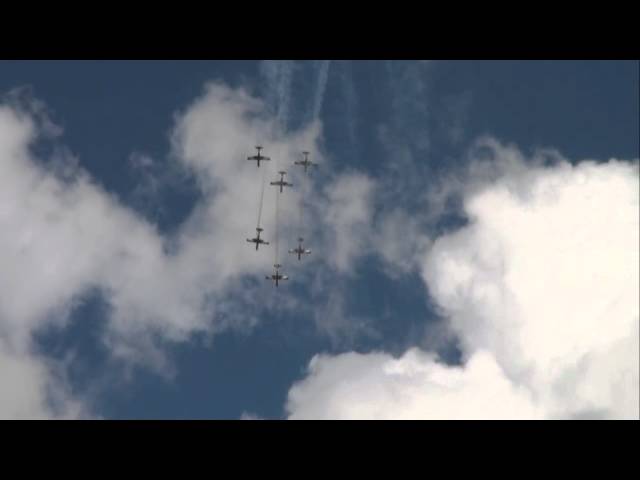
<point>250,416</point>
<point>59,237</point>
<point>32,389</point>
<point>348,215</point>
<point>377,386</point>
<point>543,283</point>
<point>22,387</point>
<point>399,240</point>
<point>546,277</point>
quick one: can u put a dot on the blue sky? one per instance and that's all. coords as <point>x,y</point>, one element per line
<point>406,125</point>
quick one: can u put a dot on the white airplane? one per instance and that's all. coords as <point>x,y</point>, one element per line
<point>259,157</point>
<point>277,276</point>
<point>281,183</point>
<point>299,251</point>
<point>306,162</point>
<point>257,240</point>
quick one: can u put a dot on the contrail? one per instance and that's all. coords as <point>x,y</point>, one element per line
<point>278,74</point>
<point>321,85</point>
<point>277,222</point>
<point>279,77</point>
<point>264,175</point>
<point>303,194</point>
<point>351,105</point>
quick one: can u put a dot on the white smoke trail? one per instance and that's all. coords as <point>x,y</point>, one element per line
<point>303,194</point>
<point>321,85</point>
<point>351,104</point>
<point>264,180</point>
<point>277,225</point>
<point>278,74</point>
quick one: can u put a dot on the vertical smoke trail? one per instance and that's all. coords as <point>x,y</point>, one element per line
<point>350,104</point>
<point>264,176</point>
<point>303,184</point>
<point>410,106</point>
<point>278,74</point>
<point>321,85</point>
<point>277,224</point>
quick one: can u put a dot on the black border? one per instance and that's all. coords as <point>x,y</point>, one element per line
<point>302,449</point>
<point>308,448</point>
<point>313,31</point>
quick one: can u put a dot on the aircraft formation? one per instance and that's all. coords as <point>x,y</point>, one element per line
<point>281,183</point>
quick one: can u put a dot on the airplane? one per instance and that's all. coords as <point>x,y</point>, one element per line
<point>277,276</point>
<point>306,162</point>
<point>257,240</point>
<point>299,251</point>
<point>281,182</point>
<point>259,157</point>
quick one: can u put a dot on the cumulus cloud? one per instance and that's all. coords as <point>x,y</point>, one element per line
<point>541,288</point>
<point>378,386</point>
